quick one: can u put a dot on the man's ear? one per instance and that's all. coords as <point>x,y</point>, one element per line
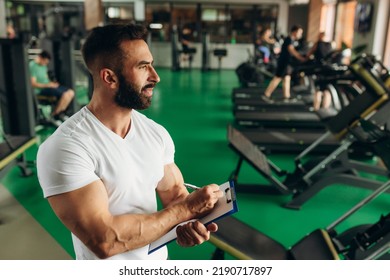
<point>109,77</point>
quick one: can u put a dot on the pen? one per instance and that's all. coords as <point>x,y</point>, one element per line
<point>191,187</point>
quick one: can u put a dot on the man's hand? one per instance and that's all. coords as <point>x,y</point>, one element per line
<point>199,203</point>
<point>52,85</point>
<point>202,201</point>
<point>194,233</point>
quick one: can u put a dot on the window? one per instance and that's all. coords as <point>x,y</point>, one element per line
<point>215,20</point>
<point>123,13</point>
<point>186,15</point>
<point>158,19</point>
<point>242,18</point>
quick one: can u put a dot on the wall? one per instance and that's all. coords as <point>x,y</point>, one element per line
<point>283,7</point>
<point>3,23</point>
<point>236,54</point>
<point>314,20</point>
<point>376,37</point>
<point>298,15</point>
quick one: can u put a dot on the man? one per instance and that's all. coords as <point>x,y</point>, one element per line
<point>101,169</point>
<point>43,86</point>
<point>284,69</point>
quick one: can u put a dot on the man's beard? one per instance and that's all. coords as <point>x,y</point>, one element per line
<point>128,96</point>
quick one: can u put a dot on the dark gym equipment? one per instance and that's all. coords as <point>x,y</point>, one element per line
<point>345,84</point>
<point>263,114</point>
<point>358,118</point>
<point>16,106</point>
<point>309,178</point>
<point>360,242</point>
<point>249,75</point>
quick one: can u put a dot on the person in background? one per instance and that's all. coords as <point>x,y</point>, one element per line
<point>110,160</point>
<point>11,33</point>
<point>284,68</point>
<point>44,86</point>
<point>318,52</point>
<point>265,44</point>
<point>186,40</point>
<point>321,49</point>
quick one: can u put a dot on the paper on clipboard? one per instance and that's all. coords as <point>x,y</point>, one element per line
<point>226,205</point>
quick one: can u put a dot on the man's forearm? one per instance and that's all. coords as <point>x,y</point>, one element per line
<point>128,232</point>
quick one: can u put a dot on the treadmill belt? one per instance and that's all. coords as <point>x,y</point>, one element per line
<point>278,119</point>
<point>257,101</point>
<point>261,106</point>
<point>278,116</point>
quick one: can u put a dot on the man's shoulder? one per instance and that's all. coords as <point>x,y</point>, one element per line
<point>72,131</point>
<point>149,124</point>
<point>143,118</point>
<point>32,64</point>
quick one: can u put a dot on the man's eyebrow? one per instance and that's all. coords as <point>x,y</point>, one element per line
<point>143,62</point>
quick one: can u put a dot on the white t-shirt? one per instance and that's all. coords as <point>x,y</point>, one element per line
<point>83,150</point>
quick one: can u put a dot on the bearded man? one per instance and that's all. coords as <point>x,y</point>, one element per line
<point>102,168</point>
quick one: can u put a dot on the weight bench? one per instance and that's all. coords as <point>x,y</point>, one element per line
<point>360,242</point>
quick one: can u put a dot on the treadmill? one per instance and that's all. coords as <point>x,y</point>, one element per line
<point>280,119</point>
<point>273,116</point>
<point>252,97</point>
<point>297,139</point>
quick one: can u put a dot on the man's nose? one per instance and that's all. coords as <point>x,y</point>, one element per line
<point>154,76</point>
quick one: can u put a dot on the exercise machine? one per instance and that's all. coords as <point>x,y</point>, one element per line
<point>252,112</point>
<point>361,242</point>
<point>360,121</point>
<point>347,86</point>
<point>17,110</point>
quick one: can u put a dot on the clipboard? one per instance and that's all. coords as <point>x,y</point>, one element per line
<point>225,206</point>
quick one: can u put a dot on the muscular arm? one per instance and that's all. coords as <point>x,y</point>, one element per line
<point>171,190</point>
<point>85,212</point>
<point>171,187</point>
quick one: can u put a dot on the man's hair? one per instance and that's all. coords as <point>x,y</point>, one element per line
<point>45,54</point>
<point>102,46</point>
<point>295,28</point>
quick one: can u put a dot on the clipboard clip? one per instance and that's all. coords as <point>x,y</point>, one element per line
<point>229,195</point>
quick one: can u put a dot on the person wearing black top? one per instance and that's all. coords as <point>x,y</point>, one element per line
<point>284,69</point>
<point>320,50</point>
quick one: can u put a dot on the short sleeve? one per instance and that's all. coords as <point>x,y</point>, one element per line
<point>169,146</point>
<point>64,165</point>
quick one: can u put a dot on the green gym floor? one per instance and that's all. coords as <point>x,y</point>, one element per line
<point>196,108</point>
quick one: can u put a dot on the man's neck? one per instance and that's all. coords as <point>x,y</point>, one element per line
<point>112,116</point>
